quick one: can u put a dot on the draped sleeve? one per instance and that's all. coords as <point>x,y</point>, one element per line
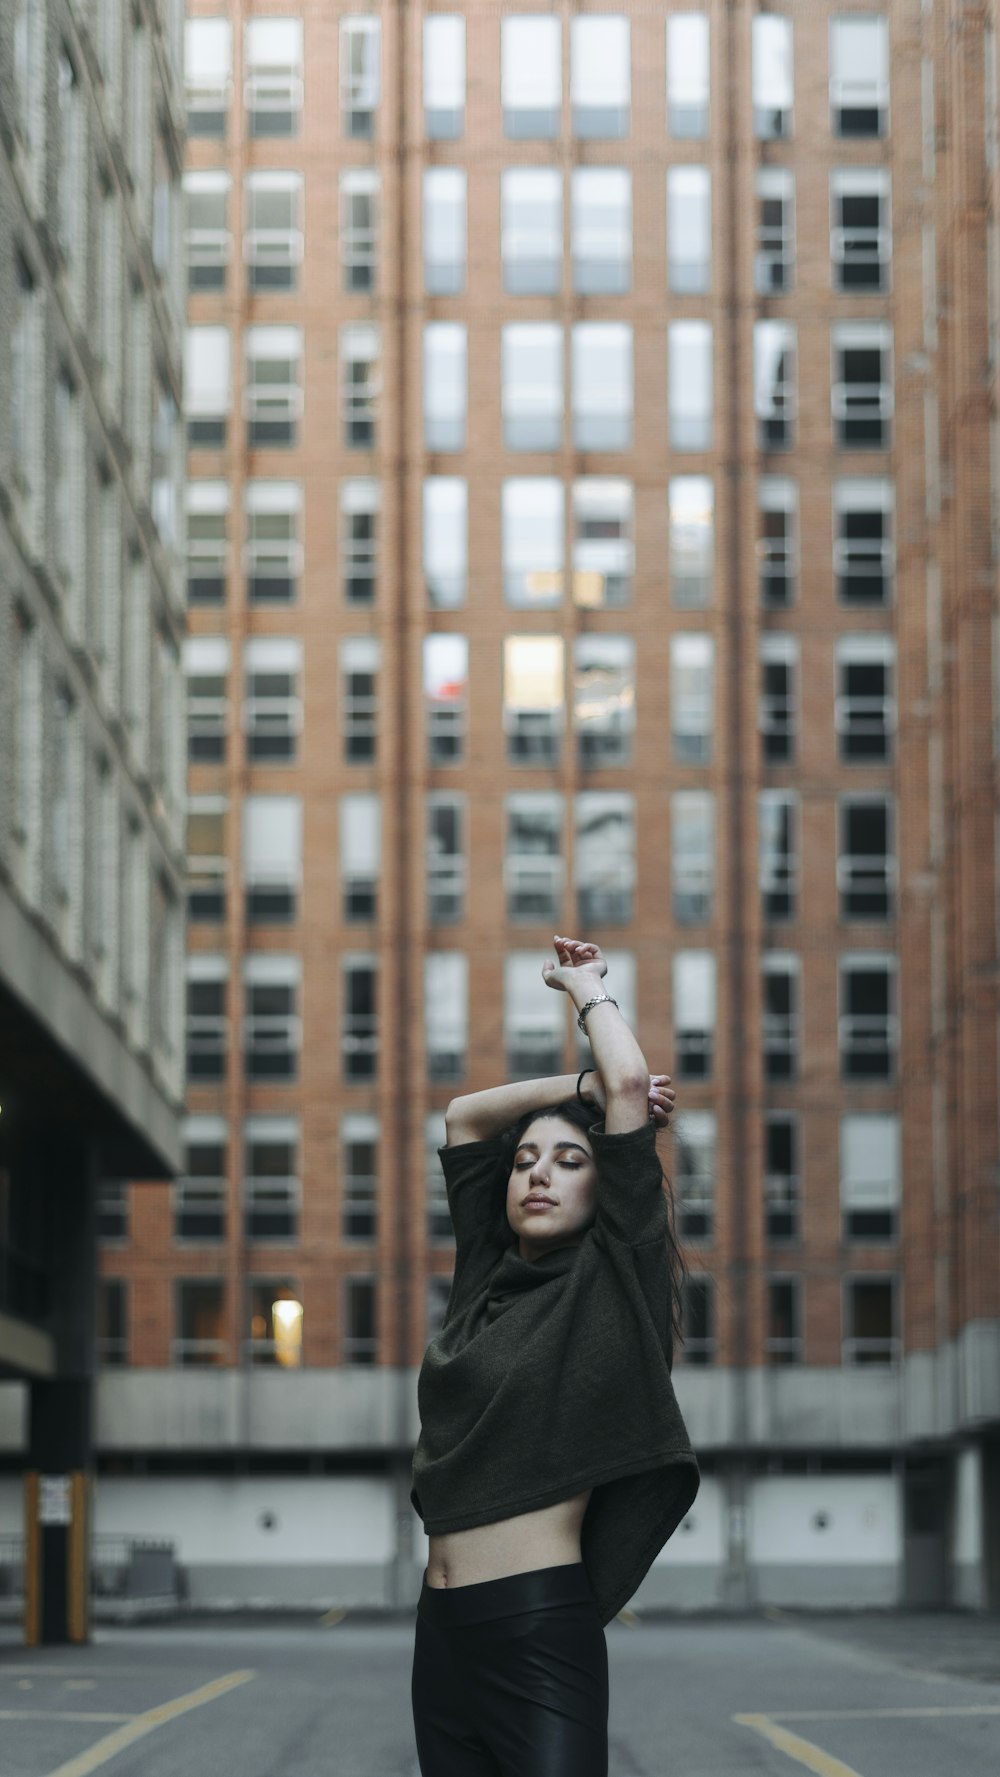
<point>632,1223</point>
<point>477,1203</point>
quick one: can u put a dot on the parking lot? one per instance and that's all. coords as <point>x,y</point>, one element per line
<point>874,1696</point>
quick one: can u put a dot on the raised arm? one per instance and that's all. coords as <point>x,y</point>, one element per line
<point>475,1116</point>
<point>580,971</point>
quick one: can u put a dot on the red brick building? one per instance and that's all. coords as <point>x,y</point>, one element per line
<point>592,525</point>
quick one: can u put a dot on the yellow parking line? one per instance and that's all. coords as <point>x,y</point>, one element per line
<point>61,1715</point>
<point>813,1757</point>
<point>141,1725</point>
<point>857,1714</point>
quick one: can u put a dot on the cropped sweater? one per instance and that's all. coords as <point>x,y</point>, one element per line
<point>553,1375</point>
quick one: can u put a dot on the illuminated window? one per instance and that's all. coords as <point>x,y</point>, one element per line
<point>534,698</point>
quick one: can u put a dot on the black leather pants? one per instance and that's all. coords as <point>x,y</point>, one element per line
<point>510,1677</point>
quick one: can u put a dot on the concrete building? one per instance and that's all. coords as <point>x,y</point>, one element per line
<point>593,525</point>
<point>92,620</point>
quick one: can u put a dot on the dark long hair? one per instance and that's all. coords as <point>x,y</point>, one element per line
<point>582,1117</point>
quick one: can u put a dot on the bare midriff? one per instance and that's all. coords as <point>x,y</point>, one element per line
<point>546,1538</point>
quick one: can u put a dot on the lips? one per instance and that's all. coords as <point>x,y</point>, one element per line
<point>529,1202</point>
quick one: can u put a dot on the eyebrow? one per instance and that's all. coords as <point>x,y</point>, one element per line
<point>559,1144</point>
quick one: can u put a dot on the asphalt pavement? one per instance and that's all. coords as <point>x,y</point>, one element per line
<point>878,1694</point>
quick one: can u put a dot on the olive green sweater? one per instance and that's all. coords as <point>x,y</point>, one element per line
<point>551,1376</point>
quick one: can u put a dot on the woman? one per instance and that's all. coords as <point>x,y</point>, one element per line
<point>553,1463</point>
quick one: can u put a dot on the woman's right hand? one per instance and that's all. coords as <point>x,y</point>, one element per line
<point>661,1095</point>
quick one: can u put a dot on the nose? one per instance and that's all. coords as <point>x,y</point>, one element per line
<point>537,1176</point>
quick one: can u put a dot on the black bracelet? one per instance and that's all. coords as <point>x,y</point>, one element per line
<point>579,1094</point>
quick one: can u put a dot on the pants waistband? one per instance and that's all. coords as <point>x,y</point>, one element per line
<point>541,1587</point>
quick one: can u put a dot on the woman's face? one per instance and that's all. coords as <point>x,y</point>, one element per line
<point>554,1160</point>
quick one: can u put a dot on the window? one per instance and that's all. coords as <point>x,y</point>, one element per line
<point>360,75</point>
<point>604,862</point>
<point>774,353</point>
<point>207,858</point>
<point>870,1321</point>
<point>206,663</point>
<point>359,667</point>
<point>860,228</point>
<point>272,712</point>
<point>272,1028</point>
<point>26,349</point>
<point>782,1176</point>
<point>272,858</point>
<point>446,1013</point>
<point>446,541</point>
<point>689,231</point>
<point>691,546</point>
<point>689,384</point>
<point>360,501</point>
<point>446,676</point>
<point>275,1322</point>
<point>778,831</point>
<point>532,385</point>
<point>166,466</point>
<point>208,74</point>
<point>445,385</point>
<point>866,861</point>
<point>781,1015</point>
<point>602,228</point>
<point>533,541</point>
<point>273,86</point>
<point>864,549</point>
<point>71,174</point>
<point>273,244</point>
<point>783,1342</point>
<point>112,1340</point>
<point>359,1028</point>
<point>444,76</point>
<point>531,230</point>
<point>859,76</point>
<point>446,866</point>
<point>272,1187</point>
<point>207,507</point>
<point>208,242</point>
<point>360,855</point>
<point>135,946</point>
<point>360,1345</point>
<point>602,385</point>
<point>272,390</point>
<point>208,392</point>
<point>692,698</point>
<point>861,395</point>
<point>865,707</point>
<point>777,542</point>
<point>200,1323</point>
<point>687,75</point>
<point>199,1196</point>
<point>772,79</point>
<point>106,589</point>
<point>444,231</point>
<point>694,1001</point>
<point>603,542</point>
<point>359,208</point>
<point>360,383</point>
<point>359,1138</point>
<point>604,698</point>
<point>531,75</point>
<point>69,479</point>
<point>534,699</point>
<point>774,256</point>
<point>534,870</point>
<point>694,1175</point>
<point>534,1018</point>
<point>137,689</point>
<point>692,852</point>
<point>112,1210</point>
<point>30,87</point>
<point>777,712</point>
<point>139,387</point>
<point>439,1225</point>
<point>26,772</point>
<point>868,1028</point>
<point>273,553</point>
<point>207,1019</point>
<point>870,1175</point>
<point>698,1320</point>
<point>600,76</point>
